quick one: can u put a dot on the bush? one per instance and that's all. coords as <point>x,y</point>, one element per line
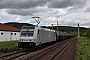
<point>88,33</point>
<point>6,49</point>
<point>2,50</point>
<point>83,33</point>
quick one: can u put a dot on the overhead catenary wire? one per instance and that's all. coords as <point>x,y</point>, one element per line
<point>16,7</point>
<point>27,6</point>
<point>33,10</point>
<point>53,13</point>
<point>53,6</point>
<point>19,8</point>
<point>50,8</point>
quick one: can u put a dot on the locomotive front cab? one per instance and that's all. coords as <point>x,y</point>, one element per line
<point>27,37</point>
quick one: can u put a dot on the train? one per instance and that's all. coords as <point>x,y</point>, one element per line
<point>33,36</point>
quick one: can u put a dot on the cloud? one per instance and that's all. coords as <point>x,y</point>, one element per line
<point>69,11</point>
<point>17,12</point>
<point>88,9</point>
<point>67,3</point>
<point>75,18</point>
<point>26,12</point>
<point>20,3</point>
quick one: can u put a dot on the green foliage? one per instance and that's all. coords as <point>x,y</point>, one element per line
<point>83,33</point>
<point>83,49</point>
<point>18,25</point>
<point>72,30</point>
<point>69,29</point>
<point>8,46</point>
<point>88,33</point>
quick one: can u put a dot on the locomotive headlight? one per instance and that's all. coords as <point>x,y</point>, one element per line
<point>21,40</point>
<point>31,40</point>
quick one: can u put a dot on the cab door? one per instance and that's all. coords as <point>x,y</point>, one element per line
<point>38,37</point>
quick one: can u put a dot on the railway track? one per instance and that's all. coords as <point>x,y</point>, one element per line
<point>48,53</point>
<point>51,51</point>
<point>62,53</point>
<point>13,55</point>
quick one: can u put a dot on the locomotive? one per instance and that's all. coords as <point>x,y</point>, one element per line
<point>33,36</point>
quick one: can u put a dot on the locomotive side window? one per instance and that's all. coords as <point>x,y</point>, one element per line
<point>38,31</point>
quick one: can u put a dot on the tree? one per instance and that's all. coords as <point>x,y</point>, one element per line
<point>88,33</point>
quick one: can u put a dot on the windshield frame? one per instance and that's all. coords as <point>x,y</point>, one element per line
<point>27,31</point>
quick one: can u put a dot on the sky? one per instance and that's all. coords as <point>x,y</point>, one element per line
<point>66,12</point>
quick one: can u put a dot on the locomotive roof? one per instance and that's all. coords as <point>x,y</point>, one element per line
<point>37,27</point>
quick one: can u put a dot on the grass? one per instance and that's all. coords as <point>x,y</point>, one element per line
<point>8,46</point>
<point>83,48</point>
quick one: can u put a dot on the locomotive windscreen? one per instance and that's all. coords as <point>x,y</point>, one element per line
<point>27,31</point>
